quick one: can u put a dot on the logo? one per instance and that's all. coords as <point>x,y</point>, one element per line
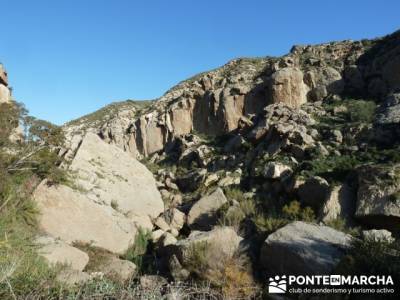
<point>277,285</point>
<point>333,284</point>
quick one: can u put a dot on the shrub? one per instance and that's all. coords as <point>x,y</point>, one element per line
<point>369,257</point>
<point>231,274</point>
<point>340,225</point>
<point>269,224</point>
<point>234,194</point>
<point>361,111</point>
<point>233,217</point>
<point>293,211</point>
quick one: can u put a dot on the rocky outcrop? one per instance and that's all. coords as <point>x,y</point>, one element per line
<point>288,87</point>
<point>111,195</point>
<point>203,213</point>
<point>216,102</point>
<point>5,93</point>
<point>304,249</point>
<point>339,204</point>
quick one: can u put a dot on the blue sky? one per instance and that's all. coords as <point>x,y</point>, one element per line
<point>66,58</point>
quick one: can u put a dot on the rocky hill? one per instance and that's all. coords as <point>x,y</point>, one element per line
<point>263,167</point>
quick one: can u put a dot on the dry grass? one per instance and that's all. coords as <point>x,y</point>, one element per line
<point>230,274</point>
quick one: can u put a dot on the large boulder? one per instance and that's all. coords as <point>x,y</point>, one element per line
<point>59,252</point>
<point>117,269</point>
<point>112,176</point>
<point>111,195</point>
<point>203,213</point>
<point>221,242</point>
<point>274,170</point>
<point>378,196</point>
<point>301,248</point>
<point>287,87</point>
<point>323,81</point>
<point>69,215</point>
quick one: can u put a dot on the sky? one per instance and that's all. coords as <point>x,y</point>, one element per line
<point>67,58</point>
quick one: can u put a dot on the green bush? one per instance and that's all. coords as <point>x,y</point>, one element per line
<point>293,211</point>
<point>369,257</point>
<point>340,225</point>
<point>361,111</point>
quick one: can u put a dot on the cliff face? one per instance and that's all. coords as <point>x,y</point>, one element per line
<point>218,101</point>
<point>5,93</point>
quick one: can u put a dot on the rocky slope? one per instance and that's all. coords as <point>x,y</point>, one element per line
<point>218,101</point>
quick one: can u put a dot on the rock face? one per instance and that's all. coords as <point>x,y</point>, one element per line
<point>340,203</point>
<point>303,249</point>
<point>378,201</point>
<point>288,87</point>
<point>112,195</point>
<point>203,212</point>
<point>5,93</point>
<point>218,101</point>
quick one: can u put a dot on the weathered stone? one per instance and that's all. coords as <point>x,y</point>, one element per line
<point>5,95</point>
<point>58,252</point>
<point>3,76</point>
<point>378,201</point>
<point>118,269</point>
<point>274,170</point>
<point>340,203</point>
<point>203,212</point>
<point>322,82</point>
<point>222,242</point>
<point>378,235</point>
<point>301,248</point>
<point>212,178</point>
<point>176,218</point>
<point>162,224</point>
<point>156,235</point>
<point>69,215</point>
<point>229,180</point>
<point>111,176</point>
<point>287,87</point>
